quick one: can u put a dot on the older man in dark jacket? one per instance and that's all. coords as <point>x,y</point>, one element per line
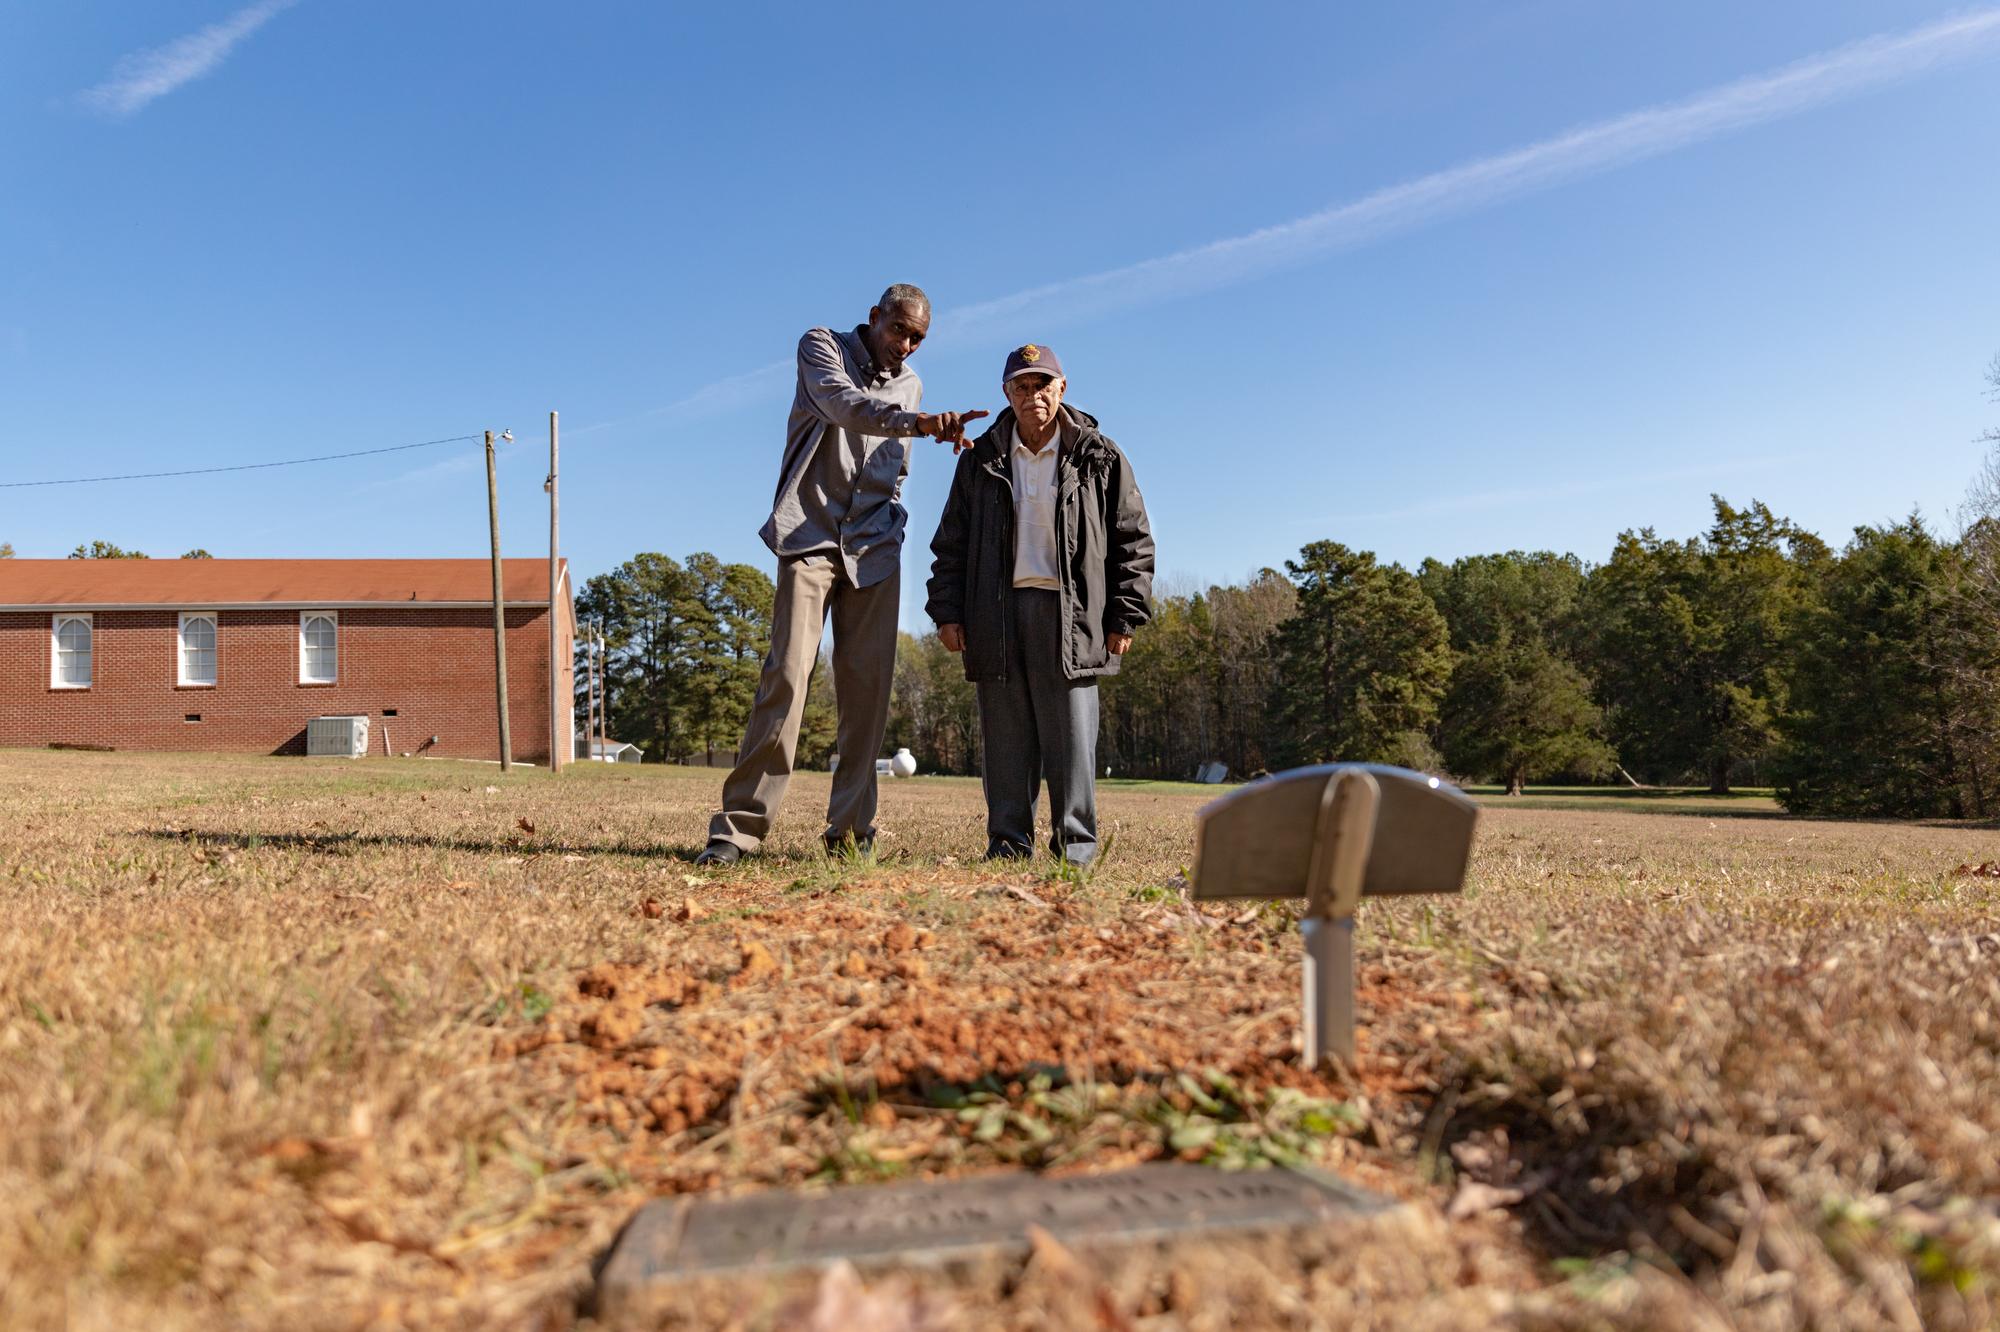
<point>1043,571</point>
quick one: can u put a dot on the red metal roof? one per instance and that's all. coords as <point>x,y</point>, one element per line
<point>200,584</point>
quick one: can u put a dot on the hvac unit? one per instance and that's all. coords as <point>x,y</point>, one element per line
<point>337,737</point>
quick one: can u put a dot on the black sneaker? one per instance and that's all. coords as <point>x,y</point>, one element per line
<point>719,853</point>
<point>1009,851</point>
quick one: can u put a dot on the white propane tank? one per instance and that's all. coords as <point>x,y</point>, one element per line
<point>904,764</point>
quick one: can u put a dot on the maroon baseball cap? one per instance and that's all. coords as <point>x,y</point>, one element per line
<point>1032,359</point>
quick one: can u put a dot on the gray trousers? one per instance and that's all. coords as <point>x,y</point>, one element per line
<point>864,667</point>
<point>1037,726</point>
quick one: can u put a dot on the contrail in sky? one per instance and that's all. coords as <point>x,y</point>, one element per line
<point>1813,82</point>
<point>142,76</point>
<point>1477,501</point>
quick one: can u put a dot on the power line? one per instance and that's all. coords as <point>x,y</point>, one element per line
<point>240,467</point>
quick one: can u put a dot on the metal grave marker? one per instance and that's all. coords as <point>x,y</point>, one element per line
<point>940,1221</point>
<point>1334,834</point>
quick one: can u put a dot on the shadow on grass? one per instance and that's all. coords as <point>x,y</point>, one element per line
<point>1620,1180</point>
<point>1634,792</point>
<point>1691,806</point>
<point>1688,810</point>
<point>347,843</point>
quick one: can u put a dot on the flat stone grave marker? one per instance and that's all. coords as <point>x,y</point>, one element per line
<point>934,1222</point>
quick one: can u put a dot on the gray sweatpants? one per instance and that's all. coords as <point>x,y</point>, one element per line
<point>864,667</point>
<point>1036,726</point>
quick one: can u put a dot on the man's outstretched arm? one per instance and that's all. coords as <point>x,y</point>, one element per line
<point>840,400</point>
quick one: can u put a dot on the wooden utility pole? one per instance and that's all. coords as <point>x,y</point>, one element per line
<point>556,701</point>
<point>590,691</point>
<point>499,609</point>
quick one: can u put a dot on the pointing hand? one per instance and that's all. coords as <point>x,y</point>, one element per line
<point>949,427</point>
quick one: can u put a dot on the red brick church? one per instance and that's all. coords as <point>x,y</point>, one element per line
<point>240,655</point>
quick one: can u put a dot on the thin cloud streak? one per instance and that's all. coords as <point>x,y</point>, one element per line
<point>144,76</point>
<point>1541,493</point>
<point>471,459</point>
<point>1805,85</point>
<point>733,391</point>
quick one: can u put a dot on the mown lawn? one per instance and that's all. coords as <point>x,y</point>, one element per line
<point>320,1044</point>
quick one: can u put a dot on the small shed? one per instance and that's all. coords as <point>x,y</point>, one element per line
<point>608,751</point>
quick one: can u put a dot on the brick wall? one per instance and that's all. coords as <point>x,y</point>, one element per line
<point>432,668</point>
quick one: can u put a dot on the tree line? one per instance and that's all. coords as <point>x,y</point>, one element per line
<point>1857,681</point>
<point>106,550</point>
<point>1863,681</point>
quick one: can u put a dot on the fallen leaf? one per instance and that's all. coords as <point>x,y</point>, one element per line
<point>1017,891</point>
<point>492,790</point>
<point>524,825</point>
<point>842,1303</point>
<point>1476,1199</point>
<point>690,910</point>
<point>1053,1256</point>
<point>651,909</point>
<point>757,963</point>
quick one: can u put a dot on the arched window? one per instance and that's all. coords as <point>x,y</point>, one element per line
<point>70,668</point>
<point>318,647</point>
<point>197,654</point>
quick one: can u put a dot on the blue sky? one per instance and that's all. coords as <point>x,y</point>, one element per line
<point>1427,280</point>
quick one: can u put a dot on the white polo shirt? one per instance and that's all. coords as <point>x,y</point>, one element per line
<point>1036,563</point>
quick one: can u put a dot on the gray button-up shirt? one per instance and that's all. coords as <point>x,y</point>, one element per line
<point>846,454</point>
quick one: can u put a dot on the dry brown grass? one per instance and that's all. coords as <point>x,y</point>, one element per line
<point>321,1045</point>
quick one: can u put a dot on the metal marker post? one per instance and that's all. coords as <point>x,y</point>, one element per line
<point>1345,837</point>
<point>1333,833</point>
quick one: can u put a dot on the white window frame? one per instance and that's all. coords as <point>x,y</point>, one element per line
<point>56,623</point>
<point>181,676</point>
<point>305,618</point>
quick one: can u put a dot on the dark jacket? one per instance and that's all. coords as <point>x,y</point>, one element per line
<point>1104,547</point>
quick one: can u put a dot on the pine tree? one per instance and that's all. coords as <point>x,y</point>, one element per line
<point>642,606</point>
<point>1517,707</point>
<point>1878,725</point>
<point>726,631</point>
<point>1361,664</point>
<point>1688,639</point>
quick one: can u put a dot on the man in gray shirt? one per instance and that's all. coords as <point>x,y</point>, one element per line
<point>836,526</point>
